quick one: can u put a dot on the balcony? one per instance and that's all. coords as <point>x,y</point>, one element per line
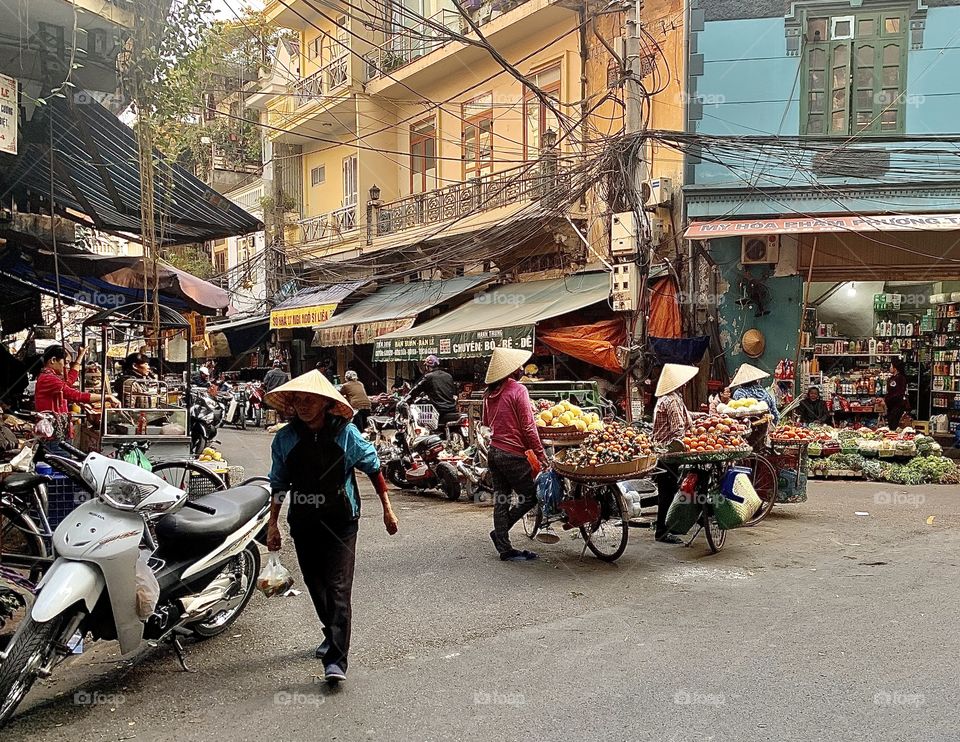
<point>546,182</point>
<point>321,101</point>
<point>412,43</point>
<point>328,227</point>
<point>424,54</point>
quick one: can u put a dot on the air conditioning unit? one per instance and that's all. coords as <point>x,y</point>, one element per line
<point>657,192</point>
<point>760,249</point>
<point>624,284</point>
<point>623,234</point>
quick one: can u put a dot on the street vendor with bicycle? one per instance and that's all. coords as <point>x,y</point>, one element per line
<point>671,420</point>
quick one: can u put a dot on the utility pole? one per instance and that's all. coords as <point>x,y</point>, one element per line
<point>273,222</point>
<point>634,96</point>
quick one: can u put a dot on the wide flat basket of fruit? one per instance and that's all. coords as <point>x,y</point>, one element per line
<point>567,422</point>
<point>711,438</point>
<point>613,454</point>
<point>749,407</point>
<point>792,435</point>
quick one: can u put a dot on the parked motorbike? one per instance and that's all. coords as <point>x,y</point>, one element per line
<point>233,401</point>
<point>421,459</point>
<point>474,467</point>
<point>204,561</point>
<point>206,417</point>
<point>254,411</point>
<point>456,433</point>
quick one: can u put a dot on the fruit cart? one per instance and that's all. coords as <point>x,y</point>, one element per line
<point>590,466</point>
<point>790,457</point>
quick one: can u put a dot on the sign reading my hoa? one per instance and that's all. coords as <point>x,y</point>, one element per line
<point>286,319</point>
<point>9,113</point>
<point>469,344</point>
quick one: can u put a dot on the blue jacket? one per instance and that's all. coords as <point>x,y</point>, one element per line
<point>756,391</point>
<point>358,453</point>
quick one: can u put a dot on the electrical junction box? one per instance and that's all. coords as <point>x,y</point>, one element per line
<point>623,234</point>
<point>624,284</point>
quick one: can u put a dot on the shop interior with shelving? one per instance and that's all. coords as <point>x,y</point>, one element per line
<point>851,331</point>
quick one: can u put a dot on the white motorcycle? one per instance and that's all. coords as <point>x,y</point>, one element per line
<point>204,559</point>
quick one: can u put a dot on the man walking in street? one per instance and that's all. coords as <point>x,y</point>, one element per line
<point>275,377</point>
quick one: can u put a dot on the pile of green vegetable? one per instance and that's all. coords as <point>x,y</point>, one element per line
<point>921,470</point>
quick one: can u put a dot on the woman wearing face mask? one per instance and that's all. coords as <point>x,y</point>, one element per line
<point>314,458</point>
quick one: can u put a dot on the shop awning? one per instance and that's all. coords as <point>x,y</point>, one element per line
<point>705,230</point>
<point>393,307</point>
<point>241,335</point>
<point>503,316</point>
<point>95,172</point>
<point>312,306</point>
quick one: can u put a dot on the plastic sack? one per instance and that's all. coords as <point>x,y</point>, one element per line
<point>738,506</point>
<point>148,588</point>
<point>549,491</point>
<point>274,578</point>
<point>684,511</point>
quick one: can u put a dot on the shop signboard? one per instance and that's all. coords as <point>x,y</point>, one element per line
<point>9,114</point>
<point>704,230</point>
<point>468,344</point>
<point>286,319</point>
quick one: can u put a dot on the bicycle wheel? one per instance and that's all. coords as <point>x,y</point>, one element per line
<point>764,477</point>
<point>20,537</point>
<point>716,536</point>
<point>532,521</point>
<point>193,478</point>
<point>607,536</point>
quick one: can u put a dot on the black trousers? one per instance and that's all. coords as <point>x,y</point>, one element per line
<point>326,558</point>
<point>360,419</point>
<point>451,416</point>
<point>510,473</point>
<point>668,484</point>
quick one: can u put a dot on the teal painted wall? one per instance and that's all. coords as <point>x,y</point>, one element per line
<point>779,327</point>
<point>750,87</point>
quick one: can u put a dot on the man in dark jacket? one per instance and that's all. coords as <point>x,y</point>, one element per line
<point>439,387</point>
<point>275,377</point>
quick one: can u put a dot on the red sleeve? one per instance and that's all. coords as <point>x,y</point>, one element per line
<point>528,425</point>
<point>50,385</point>
<point>73,376</point>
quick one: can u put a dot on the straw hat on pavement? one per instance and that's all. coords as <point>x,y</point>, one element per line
<point>747,373</point>
<point>312,382</point>
<point>504,362</point>
<point>674,376</point>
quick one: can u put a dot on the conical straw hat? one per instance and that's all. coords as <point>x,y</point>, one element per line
<point>504,362</point>
<point>312,382</point>
<point>747,373</point>
<point>674,376</point>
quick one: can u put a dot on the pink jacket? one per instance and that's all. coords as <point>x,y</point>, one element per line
<point>508,414</point>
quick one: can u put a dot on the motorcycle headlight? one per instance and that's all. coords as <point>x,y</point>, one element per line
<point>123,494</point>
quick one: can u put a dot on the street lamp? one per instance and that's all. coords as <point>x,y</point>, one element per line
<point>374,193</point>
<point>549,139</point>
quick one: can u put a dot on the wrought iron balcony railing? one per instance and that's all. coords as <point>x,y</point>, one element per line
<point>546,181</point>
<point>323,82</point>
<point>325,226</point>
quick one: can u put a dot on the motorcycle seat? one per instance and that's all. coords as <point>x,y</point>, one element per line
<point>380,422</point>
<point>23,483</point>
<point>189,529</point>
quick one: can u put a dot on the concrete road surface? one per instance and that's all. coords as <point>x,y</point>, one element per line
<point>820,624</point>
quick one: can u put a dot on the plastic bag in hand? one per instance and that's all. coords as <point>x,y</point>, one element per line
<point>148,588</point>
<point>274,578</point>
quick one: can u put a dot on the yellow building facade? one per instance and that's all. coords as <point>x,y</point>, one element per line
<point>408,137</point>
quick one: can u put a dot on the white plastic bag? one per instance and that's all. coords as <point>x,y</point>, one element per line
<point>274,578</point>
<point>148,588</point>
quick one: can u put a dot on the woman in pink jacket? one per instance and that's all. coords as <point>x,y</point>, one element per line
<point>508,414</point>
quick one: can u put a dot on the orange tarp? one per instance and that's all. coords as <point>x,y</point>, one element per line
<point>596,344</point>
<point>665,321</point>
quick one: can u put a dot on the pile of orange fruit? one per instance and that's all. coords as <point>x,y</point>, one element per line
<point>794,434</point>
<point>714,433</point>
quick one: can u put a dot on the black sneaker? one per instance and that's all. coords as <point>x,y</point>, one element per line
<point>669,538</point>
<point>333,673</point>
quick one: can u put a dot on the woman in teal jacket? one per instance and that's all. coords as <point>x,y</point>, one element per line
<point>314,458</point>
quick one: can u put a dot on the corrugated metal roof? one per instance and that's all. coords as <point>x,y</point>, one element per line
<point>326,293</point>
<point>398,300</point>
<point>96,172</point>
